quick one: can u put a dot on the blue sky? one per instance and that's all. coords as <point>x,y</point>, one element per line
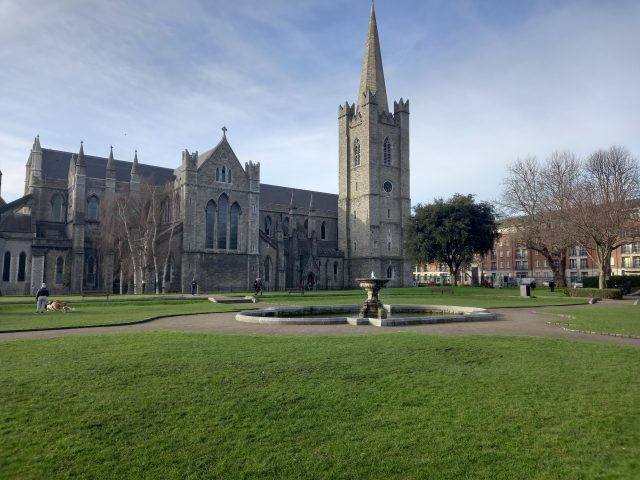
<point>488,81</point>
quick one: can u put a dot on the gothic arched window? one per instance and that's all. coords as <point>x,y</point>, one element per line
<point>356,153</point>
<point>306,227</point>
<point>386,154</point>
<point>57,205</point>
<point>92,208</point>
<point>165,212</point>
<point>6,267</point>
<point>22,266</point>
<point>285,226</point>
<point>217,174</point>
<point>323,231</point>
<point>267,226</point>
<point>335,269</point>
<point>229,176</point>
<point>233,224</point>
<point>224,174</point>
<point>223,214</point>
<point>389,271</point>
<point>267,269</point>
<point>210,215</point>
<point>59,270</point>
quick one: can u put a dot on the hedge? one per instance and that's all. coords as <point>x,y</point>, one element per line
<point>613,281</point>
<point>614,293</point>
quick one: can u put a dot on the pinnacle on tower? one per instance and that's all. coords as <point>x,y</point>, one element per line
<point>80,159</point>
<point>134,166</point>
<point>36,144</point>
<point>110,160</point>
<point>372,80</point>
<point>292,204</point>
<point>311,204</point>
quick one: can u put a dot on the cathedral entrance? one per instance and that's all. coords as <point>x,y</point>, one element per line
<point>311,281</point>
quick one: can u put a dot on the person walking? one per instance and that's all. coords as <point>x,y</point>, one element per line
<point>42,297</point>
<point>194,286</point>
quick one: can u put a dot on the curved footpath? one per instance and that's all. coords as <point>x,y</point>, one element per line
<point>511,322</point>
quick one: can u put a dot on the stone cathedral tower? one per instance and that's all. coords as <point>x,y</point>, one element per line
<point>374,200</point>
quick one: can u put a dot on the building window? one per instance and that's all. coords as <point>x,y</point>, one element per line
<point>210,215</point>
<point>57,208</point>
<point>285,226</point>
<point>584,263</point>
<point>267,226</point>
<point>218,174</point>
<point>323,231</point>
<point>626,262</point>
<point>165,212</point>
<point>355,246</point>
<point>91,271</point>
<point>356,153</point>
<point>233,224</point>
<point>59,270</point>
<point>267,269</point>
<point>223,207</point>
<point>92,208</point>
<point>22,266</point>
<point>167,272</point>
<point>387,186</point>
<point>6,267</point>
<point>386,156</point>
<point>389,271</point>
<point>306,227</point>
<point>573,263</point>
<point>224,174</point>
<point>388,213</point>
<point>636,262</point>
<point>335,270</point>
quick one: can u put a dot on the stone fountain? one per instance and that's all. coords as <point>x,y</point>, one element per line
<point>372,307</point>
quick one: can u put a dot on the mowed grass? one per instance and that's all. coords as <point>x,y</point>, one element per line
<point>461,296</point>
<point>16,317</point>
<point>622,319</point>
<point>397,406</point>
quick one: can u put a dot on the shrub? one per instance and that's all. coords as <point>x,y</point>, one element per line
<point>614,293</point>
<point>613,281</point>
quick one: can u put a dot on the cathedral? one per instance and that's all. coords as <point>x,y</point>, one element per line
<point>229,227</point>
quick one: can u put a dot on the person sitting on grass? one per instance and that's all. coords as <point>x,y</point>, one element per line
<point>42,297</point>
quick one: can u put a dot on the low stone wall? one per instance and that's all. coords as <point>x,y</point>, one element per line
<point>313,315</point>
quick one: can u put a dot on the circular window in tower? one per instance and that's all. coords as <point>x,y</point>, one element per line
<point>388,186</point>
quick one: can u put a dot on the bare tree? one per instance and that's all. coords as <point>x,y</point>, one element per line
<point>605,204</point>
<point>141,231</point>
<point>533,194</point>
<point>565,202</point>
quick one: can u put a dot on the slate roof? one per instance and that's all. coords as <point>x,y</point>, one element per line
<point>16,224</point>
<point>275,195</point>
<point>55,165</point>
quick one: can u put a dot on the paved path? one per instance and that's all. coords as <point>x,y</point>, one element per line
<point>510,322</point>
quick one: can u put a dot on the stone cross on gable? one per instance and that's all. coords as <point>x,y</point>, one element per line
<point>224,131</point>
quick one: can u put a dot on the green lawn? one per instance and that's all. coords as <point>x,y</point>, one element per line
<point>462,296</point>
<point>14,317</point>
<point>624,319</point>
<point>397,406</point>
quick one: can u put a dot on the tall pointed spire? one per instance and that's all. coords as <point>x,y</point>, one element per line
<point>110,166</point>
<point>372,79</point>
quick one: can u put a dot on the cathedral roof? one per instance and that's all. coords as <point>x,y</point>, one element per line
<point>55,165</point>
<point>275,195</point>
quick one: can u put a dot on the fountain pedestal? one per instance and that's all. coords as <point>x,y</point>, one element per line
<point>373,307</point>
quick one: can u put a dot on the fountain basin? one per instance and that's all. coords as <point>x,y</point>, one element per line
<point>396,315</point>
